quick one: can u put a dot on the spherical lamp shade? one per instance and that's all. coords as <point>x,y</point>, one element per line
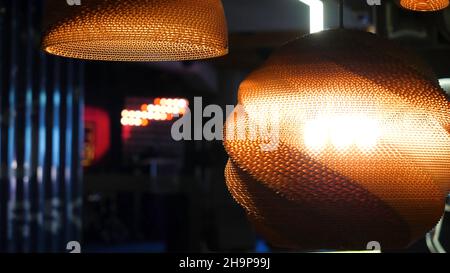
<point>136,30</point>
<point>338,140</point>
<point>424,5</point>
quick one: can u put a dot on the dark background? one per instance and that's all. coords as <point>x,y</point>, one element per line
<point>126,208</point>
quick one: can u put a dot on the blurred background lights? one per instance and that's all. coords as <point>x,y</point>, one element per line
<point>162,109</point>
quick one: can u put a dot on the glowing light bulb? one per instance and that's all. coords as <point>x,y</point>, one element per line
<point>316,134</point>
<point>342,132</point>
<point>360,141</point>
<point>368,134</point>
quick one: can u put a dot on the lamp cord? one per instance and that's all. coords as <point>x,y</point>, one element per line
<point>341,13</point>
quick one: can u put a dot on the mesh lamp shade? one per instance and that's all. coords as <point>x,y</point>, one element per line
<point>339,139</point>
<point>423,5</point>
<point>136,30</point>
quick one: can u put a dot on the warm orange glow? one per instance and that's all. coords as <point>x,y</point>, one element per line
<point>342,132</point>
<point>362,147</point>
<point>424,5</point>
<point>163,109</point>
<point>136,122</point>
<point>136,30</point>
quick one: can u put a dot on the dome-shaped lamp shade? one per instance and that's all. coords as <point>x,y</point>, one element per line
<point>136,30</point>
<point>340,140</point>
<point>424,5</point>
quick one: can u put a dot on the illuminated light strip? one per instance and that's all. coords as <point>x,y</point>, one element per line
<point>445,84</point>
<point>315,15</point>
<point>430,244</point>
<point>444,81</point>
<point>436,236</point>
<point>432,239</point>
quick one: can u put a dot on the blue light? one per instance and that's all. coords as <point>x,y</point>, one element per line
<point>261,247</point>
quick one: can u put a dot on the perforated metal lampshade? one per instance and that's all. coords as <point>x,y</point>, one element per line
<point>423,5</point>
<point>362,152</point>
<point>136,30</point>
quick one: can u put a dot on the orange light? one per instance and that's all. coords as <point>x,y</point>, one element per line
<point>163,109</point>
<point>342,132</point>
<point>424,5</point>
<point>136,30</point>
<point>362,151</point>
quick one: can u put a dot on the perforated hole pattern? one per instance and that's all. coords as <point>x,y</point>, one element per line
<point>337,198</point>
<point>136,30</point>
<point>424,5</point>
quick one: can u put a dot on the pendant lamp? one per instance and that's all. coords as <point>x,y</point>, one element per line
<point>340,139</point>
<point>136,30</point>
<point>424,5</point>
